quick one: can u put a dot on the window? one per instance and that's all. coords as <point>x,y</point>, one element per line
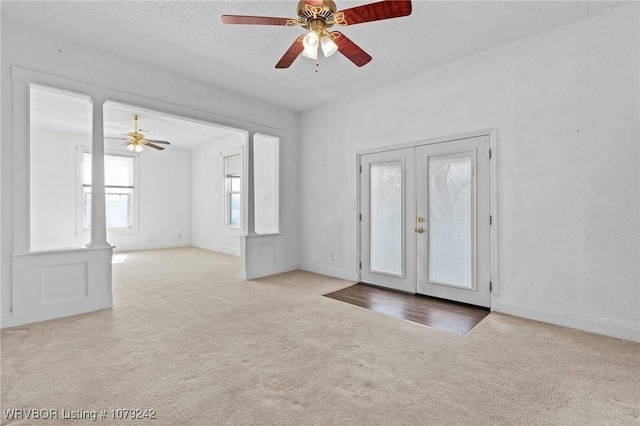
<point>233,185</point>
<point>120,191</point>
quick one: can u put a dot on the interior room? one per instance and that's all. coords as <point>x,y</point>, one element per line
<point>166,196</point>
<point>318,212</point>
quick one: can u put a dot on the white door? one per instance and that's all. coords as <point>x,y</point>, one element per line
<point>425,222</point>
<point>454,249</point>
<point>388,206</point>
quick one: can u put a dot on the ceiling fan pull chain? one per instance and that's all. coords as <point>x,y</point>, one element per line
<point>317,64</point>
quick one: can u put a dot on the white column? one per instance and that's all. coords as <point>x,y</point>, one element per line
<point>249,207</point>
<point>15,175</point>
<point>98,213</point>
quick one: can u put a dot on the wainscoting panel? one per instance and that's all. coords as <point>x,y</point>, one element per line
<point>266,255</point>
<point>59,283</point>
<point>263,255</point>
<point>64,283</point>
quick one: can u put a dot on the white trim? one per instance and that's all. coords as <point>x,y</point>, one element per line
<point>57,251</point>
<point>618,329</point>
<point>138,247</point>
<point>21,171</point>
<point>493,209</point>
<point>429,141</point>
<point>219,248</point>
<point>330,271</point>
<point>157,105</point>
<point>357,218</point>
<point>226,202</point>
<point>22,318</point>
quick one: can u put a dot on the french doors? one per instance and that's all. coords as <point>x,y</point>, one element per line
<point>425,223</point>
<point>388,204</point>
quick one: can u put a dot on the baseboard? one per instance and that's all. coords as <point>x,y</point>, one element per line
<point>619,329</point>
<point>33,316</point>
<point>218,249</point>
<point>5,320</point>
<point>260,272</point>
<point>330,271</point>
<point>138,247</point>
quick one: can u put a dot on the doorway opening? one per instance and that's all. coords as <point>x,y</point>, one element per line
<point>154,198</point>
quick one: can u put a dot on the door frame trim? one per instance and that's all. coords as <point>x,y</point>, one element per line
<point>493,196</point>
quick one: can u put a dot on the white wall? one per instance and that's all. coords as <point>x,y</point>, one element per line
<point>53,173</point>
<point>165,202</point>
<point>565,104</point>
<point>164,209</point>
<point>149,88</point>
<point>208,205</point>
<point>266,174</point>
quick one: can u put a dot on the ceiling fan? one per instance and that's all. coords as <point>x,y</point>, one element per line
<point>319,15</point>
<point>135,141</point>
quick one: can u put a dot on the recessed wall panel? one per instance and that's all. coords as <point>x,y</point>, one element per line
<point>63,283</point>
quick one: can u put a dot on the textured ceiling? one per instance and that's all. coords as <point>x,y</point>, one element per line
<point>188,38</point>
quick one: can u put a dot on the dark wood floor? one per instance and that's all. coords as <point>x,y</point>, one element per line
<point>449,316</point>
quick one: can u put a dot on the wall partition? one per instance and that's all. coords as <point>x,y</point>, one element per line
<point>53,273</point>
<point>47,275</point>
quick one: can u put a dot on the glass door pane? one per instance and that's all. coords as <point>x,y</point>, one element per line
<point>388,208</point>
<point>450,220</point>
<point>387,212</point>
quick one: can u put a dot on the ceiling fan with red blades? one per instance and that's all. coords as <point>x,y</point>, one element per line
<point>317,16</point>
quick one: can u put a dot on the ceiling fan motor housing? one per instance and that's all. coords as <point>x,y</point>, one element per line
<point>319,14</point>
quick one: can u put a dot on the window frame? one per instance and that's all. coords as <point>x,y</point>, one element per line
<point>81,227</point>
<point>229,192</point>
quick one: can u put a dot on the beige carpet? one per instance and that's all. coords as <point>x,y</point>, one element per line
<point>189,339</point>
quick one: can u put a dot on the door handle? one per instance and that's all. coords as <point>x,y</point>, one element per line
<point>419,230</point>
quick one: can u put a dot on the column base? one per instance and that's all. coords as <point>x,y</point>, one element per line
<point>99,245</point>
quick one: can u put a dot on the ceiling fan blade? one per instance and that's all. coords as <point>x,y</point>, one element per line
<point>154,146</point>
<point>291,54</point>
<point>255,20</point>
<point>157,141</point>
<point>352,51</point>
<point>374,12</point>
<point>118,139</point>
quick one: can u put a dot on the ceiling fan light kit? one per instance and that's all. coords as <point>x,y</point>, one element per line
<point>328,47</point>
<point>134,146</point>
<point>310,43</point>
<point>317,16</point>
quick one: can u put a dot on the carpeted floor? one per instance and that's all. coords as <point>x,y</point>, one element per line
<point>187,338</point>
